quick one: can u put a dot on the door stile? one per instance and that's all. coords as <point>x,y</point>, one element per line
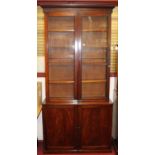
<point>78,69</point>
<point>75,59</point>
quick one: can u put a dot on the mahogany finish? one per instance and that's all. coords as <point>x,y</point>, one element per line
<point>58,127</point>
<point>77,128</point>
<point>77,3</point>
<point>42,74</point>
<point>77,116</point>
<point>95,126</point>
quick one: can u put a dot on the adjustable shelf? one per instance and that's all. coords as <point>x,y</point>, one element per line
<point>93,81</point>
<point>61,82</point>
<point>61,30</point>
<point>94,30</point>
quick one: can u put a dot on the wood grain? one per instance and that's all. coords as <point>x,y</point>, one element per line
<point>58,127</point>
<point>77,128</point>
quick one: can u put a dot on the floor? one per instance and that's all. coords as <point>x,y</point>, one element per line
<point>40,152</point>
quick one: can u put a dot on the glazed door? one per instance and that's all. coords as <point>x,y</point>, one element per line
<point>77,55</point>
<point>95,127</point>
<point>59,127</point>
<point>94,57</point>
<point>60,55</point>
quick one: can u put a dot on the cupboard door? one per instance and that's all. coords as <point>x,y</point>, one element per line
<point>95,126</point>
<point>59,127</point>
<point>94,56</point>
<point>61,57</point>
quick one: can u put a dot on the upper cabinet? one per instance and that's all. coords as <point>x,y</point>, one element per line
<point>77,53</point>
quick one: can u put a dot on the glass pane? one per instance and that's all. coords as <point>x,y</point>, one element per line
<point>93,90</point>
<point>61,90</point>
<point>94,23</point>
<point>61,23</point>
<point>61,69</point>
<point>94,44</point>
<point>61,53</point>
<point>94,39</point>
<point>61,39</point>
<point>61,57</point>
<point>93,72</point>
<point>94,53</point>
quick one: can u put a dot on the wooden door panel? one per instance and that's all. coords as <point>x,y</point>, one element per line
<point>95,126</point>
<point>58,127</point>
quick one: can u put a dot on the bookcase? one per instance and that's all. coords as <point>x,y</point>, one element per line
<point>77,116</point>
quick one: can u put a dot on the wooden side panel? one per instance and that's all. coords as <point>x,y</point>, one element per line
<point>59,127</point>
<point>95,123</point>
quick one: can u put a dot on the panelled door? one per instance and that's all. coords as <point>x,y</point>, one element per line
<point>77,127</point>
<point>59,127</point>
<point>77,55</point>
<point>95,126</point>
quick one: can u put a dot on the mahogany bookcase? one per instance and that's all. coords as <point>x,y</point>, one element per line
<point>77,116</point>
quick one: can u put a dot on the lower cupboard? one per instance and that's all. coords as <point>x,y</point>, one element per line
<point>77,127</point>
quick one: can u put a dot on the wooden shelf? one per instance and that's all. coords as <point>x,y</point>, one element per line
<point>61,30</point>
<point>102,64</point>
<point>61,61</point>
<point>89,58</point>
<point>94,63</point>
<point>94,30</point>
<point>69,47</point>
<point>94,98</point>
<point>93,81</point>
<point>91,47</point>
<point>72,47</point>
<point>93,58</point>
<point>61,58</point>
<point>57,58</point>
<point>94,46</point>
<point>61,82</point>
